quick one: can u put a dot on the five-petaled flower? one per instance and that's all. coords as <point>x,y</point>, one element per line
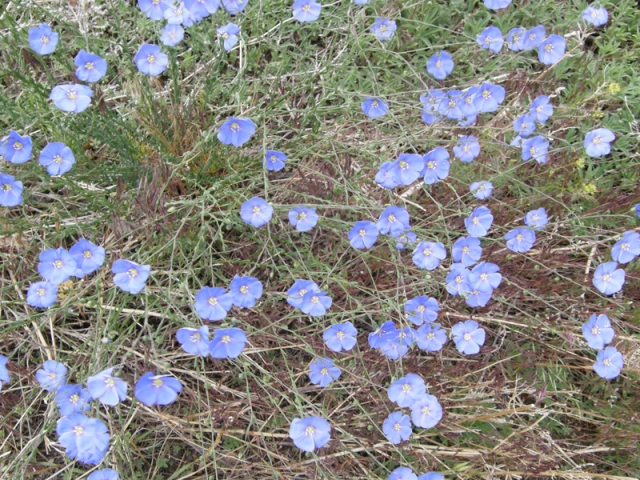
<point>90,67</point>
<point>363,234</point>
<point>57,157</point>
<point>10,191</point>
<point>384,29</point>
<point>597,143</point>
<point>340,336</point>
<point>245,291</point>
<point>227,343</point>
<point>71,98</point>
<point>397,427</point>
<point>597,331</point>
<point>310,433</point>
<point>236,131</point>
<point>229,35</point>
<point>303,218</point>
<point>107,388</point>
<point>608,278</point>
<point>150,60</point>
<point>469,337</point>
<point>43,39</point>
<point>194,340</point>
<point>322,372</point>
<point>609,362</point>
<point>130,276</point>
<point>154,389</point>
<point>407,390</point>
<point>440,65</point>
<point>306,10</point>
<point>374,107</point>
<point>256,212</point>
<point>15,148</point>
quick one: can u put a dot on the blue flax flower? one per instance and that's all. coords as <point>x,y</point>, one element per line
<point>536,219</point>
<point>202,8</point>
<point>408,168</point>
<point>130,276</point>
<point>227,343</point>
<point>597,331</point>
<point>303,218</point>
<point>421,309</point>
<point>426,411</point>
<point>363,235</point>
<point>597,142</point>
<point>157,389</point>
<point>229,34</point>
<point>450,105</point>
<point>595,16</point>
<point>233,7</point>
<point>479,222</point>
<point>393,221</point>
<point>72,399</point>
<point>491,38</point>
<point>88,256</point>
<point>176,13</point>
<point>397,427</point>
<point>384,29</point>
<point>431,476</point>
<point>150,60</point>
<point>107,388</point>
<point>56,265</point>
<point>467,105</point>
<point>489,97</point>
<point>430,102</point>
<point>388,175</point>
<point>537,148</point>
<point>440,65</point>
<point>315,303</point>
<point>406,239</point>
<point>552,50</point>
<point>402,473</point>
<point>340,336</point>
<point>396,343</point>
<point>609,362</point>
<point>91,67</point>
<point>10,191</point>
<point>378,338</point>
<point>52,375</point>
<point>638,210</point>
<point>212,303</point>
<point>437,165</point>
<point>15,148</point>
<point>481,190</point>
<point>457,281</point>
<point>496,4</point>
<point>171,35</point>
<point>485,277</point>
<point>274,161</point>
<point>306,10</point>
<point>104,474</point>
<point>153,9</point>
<point>431,337</point>
<point>608,278</point>
<point>520,239</point>
<point>194,340</point>
<point>310,433</point>
<point>360,2</point>
<point>627,248</point>
<point>515,39</point>
<point>467,149</point>
<point>525,125</point>
<point>71,98</point>
<point>4,373</point>
<point>469,337</point>
<point>245,291</point>
<point>43,40</point>
<point>298,290</point>
<point>374,107</point>
<point>256,212</point>
<point>236,131</point>
<point>322,372</point>
<point>406,390</point>
<point>57,157</point>
<point>466,250</point>
<point>541,108</point>
<point>475,298</point>
<point>42,294</point>
<point>533,37</point>
<point>428,255</point>
<point>84,439</point>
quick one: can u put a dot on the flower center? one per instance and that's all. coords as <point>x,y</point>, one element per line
<point>315,299</point>
<point>475,220</point>
<point>431,165</point>
<point>425,410</point>
<point>132,272</point>
<point>151,58</point>
<point>72,95</point>
<point>516,38</point>
<point>195,338</point>
<point>486,94</point>
<point>548,47</point>
<point>533,150</point>
<point>235,127</point>
<point>484,276</point>
<point>426,252</point>
<point>244,289</point>
<point>74,398</point>
<point>306,8</point>
<point>57,159</point>
<point>406,388</point>
<point>421,308</point>
<point>403,165</point>
<point>519,237</point>
<point>89,66</point>
<point>383,28</point>
<point>52,376</point>
<point>535,218</point>
<point>44,39</point>
<point>40,292</point>
<point>391,218</point>
<point>624,247</point>
<point>595,331</point>
<point>606,277</point>
<point>374,104</point>
<point>226,339</point>
<point>17,146</point>
<point>438,64</point>
<point>6,187</point>
<point>302,292</point>
<point>301,216</point>
<point>324,371</point>
<point>467,337</point>
<point>57,264</point>
<point>110,382</point>
<point>78,430</point>
<point>430,336</point>
<point>310,430</point>
<point>225,35</point>
<point>86,254</point>
<point>362,233</point>
<point>213,301</point>
<point>465,148</point>
<point>397,427</point>
<point>488,40</point>
<point>340,335</point>
<point>607,362</point>
<point>459,279</point>
<point>256,210</point>
<point>465,250</point>
<point>157,382</point>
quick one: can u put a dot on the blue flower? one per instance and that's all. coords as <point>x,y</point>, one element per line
<point>298,290</point>
<point>256,212</point>
<point>552,50</point>
<point>408,168</point>
<point>43,40</point>
<point>229,34</point>
<point>431,476</point>
<point>541,108</point>
<point>310,433</point>
<point>10,191</point>
<point>406,239</point>
<point>609,362</point>
<point>202,8</point>
<point>466,250</point>
<point>16,148</point>
<point>388,175</point>
<point>597,142</point>
<point>150,60</point>
<point>533,37</point>
<point>176,13</point>
<point>157,389</point>
<point>130,276</point>
<point>431,337</point>
<point>485,277</point>
<point>467,149</point>
<point>537,148</point>
<point>475,298</point>
<point>496,4</point>
<point>426,411</point>
<point>491,38</point>
<point>153,9</point>
<point>406,390</point>
<point>374,107</point>
<point>236,131</point>
<point>479,222</point>
<point>520,239</point>
<point>597,331</point>
<point>457,281</point>
<point>393,221</point>
<point>638,210</point>
<point>340,336</point>
<point>57,157</point>
<point>52,375</point>
<point>488,97</point>
<point>227,343</point>
<point>515,39</point>
<point>91,67</point>
<point>360,2</point>
<point>430,102</point>
<point>363,234</point>
<point>71,98</point>
<point>481,190</point>
<point>536,219</point>
<point>306,10</point>
<point>212,303</point>
<point>437,165</point>
<point>395,344</point>
<point>303,218</point>
<point>627,248</point>
<point>56,265</point>
<point>384,29</point>
<point>88,256</point>
<point>72,399</point>
<point>421,309</point>
<point>171,35</point>
<point>323,372</point>
<point>469,337</point>
<point>440,65</point>
<point>427,255</point>
<point>4,373</point>
<point>233,7</point>
<point>467,105</point>
<point>608,278</point>
<point>378,338</point>
<point>42,294</point>
<point>107,388</point>
<point>397,427</point>
<point>525,125</point>
<point>104,474</point>
<point>274,161</point>
<point>194,340</point>
<point>450,105</point>
<point>245,291</point>
<point>595,16</point>
<point>315,303</point>
<point>402,473</point>
<point>85,439</point>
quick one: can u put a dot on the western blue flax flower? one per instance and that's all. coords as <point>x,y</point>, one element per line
<point>340,336</point>
<point>15,148</point>
<point>469,337</point>
<point>306,10</point>
<point>627,248</point>
<point>245,291</point>
<point>4,373</point>
<point>212,303</point>
<point>421,309</point>
<point>10,191</point>
<point>536,219</point>
<point>153,9</point>
<point>360,2</point>
<point>90,67</point>
<point>233,7</point>
<point>408,168</point>
<point>227,343</point>
<point>491,39</point>
<point>431,337</point>
<point>467,149</point>
<point>72,399</point>
<point>71,98</point>
<point>52,375</point>
<point>388,175</point>
<point>42,294</point>
<point>638,210</point>
<point>57,157</point>
<point>525,125</point>
<point>595,16</point>
<point>104,474</point>
<point>310,433</point>
<point>395,344</point>
<point>363,235</point>
<point>171,35</point>
<point>194,340</point>
<point>157,389</point>
<point>393,221</point>
<point>402,473</point>
<point>515,39</point>
<point>406,239</point>
<point>43,40</point>
<point>457,281</point>
<point>479,222</point>
<point>303,218</point>
<point>56,265</point>
<point>467,105</point>
<point>397,427</point>
<point>374,107</point>
<point>608,278</point>
<point>430,102</point>
<point>298,290</point>
<point>130,276</point>
<point>437,165</point>
<point>440,65</point>
<point>431,476</point>
<point>426,411</point>
<point>256,212</point>
<point>481,190</point>
<point>552,50</point>
<point>322,372</point>
<point>107,388</point>
<point>274,160</point>
<point>485,277</point>
<point>88,256</point>
<point>541,108</point>
<point>475,298</point>
<point>150,60</point>
<point>489,97</point>
<point>85,439</point>
<point>406,390</point>
<point>449,105</point>
<point>597,142</point>
<point>229,34</point>
<point>428,255</point>
<point>537,148</point>
<point>236,131</point>
<point>597,331</point>
<point>377,339</point>
<point>533,37</point>
<point>466,250</point>
<point>520,239</point>
<point>384,29</point>
<point>315,304</point>
<point>496,4</point>
<point>202,8</point>
<point>175,13</point>
<point>608,364</point>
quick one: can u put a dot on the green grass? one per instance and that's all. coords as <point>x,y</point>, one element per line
<point>153,184</point>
